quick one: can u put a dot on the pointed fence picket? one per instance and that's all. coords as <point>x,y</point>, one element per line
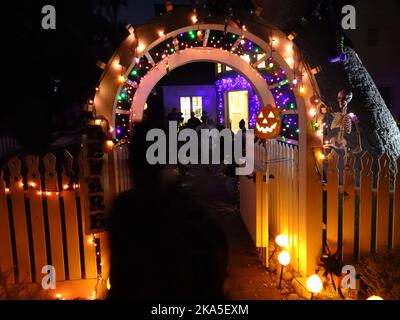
<point>277,189</point>
<point>375,208</point>
<point>42,222</point>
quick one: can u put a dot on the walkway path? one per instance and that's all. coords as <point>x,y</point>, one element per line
<point>247,277</point>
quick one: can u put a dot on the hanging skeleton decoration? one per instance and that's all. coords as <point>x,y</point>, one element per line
<point>341,120</point>
<point>342,125</point>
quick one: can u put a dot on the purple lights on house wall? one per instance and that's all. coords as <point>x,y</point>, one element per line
<point>236,83</point>
<point>281,92</point>
<point>276,79</point>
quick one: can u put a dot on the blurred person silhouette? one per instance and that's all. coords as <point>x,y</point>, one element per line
<point>193,121</point>
<point>173,115</point>
<point>163,245</point>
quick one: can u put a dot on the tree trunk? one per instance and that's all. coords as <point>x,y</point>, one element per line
<point>317,41</point>
<point>378,128</point>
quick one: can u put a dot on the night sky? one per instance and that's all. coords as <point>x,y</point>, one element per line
<point>138,11</point>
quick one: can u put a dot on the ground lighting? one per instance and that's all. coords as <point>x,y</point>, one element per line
<point>314,285</point>
<point>281,240</point>
<point>375,298</point>
<point>284,260</point>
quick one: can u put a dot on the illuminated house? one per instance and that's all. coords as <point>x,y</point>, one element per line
<point>237,99</point>
<point>191,98</point>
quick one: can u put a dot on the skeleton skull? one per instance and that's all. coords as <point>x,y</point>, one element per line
<point>344,98</point>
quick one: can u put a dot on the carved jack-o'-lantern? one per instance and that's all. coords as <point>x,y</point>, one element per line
<point>268,122</point>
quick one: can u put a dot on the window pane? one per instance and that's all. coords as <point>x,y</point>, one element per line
<point>219,68</point>
<point>185,108</point>
<point>197,104</point>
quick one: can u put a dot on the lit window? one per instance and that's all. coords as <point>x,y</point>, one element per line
<point>197,105</point>
<point>262,64</point>
<point>185,108</point>
<point>219,68</point>
<point>227,68</point>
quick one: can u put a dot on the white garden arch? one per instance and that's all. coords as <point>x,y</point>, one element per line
<point>143,39</point>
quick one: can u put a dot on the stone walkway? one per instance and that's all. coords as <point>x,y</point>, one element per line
<point>247,277</point>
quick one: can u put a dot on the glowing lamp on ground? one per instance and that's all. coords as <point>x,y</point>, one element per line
<point>58,296</point>
<point>284,260</point>
<point>314,285</point>
<point>375,298</point>
<point>282,240</point>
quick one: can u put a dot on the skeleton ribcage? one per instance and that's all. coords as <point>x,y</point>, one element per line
<point>341,121</point>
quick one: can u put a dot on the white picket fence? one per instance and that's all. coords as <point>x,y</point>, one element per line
<point>42,222</point>
<point>362,218</point>
<point>122,173</point>
<point>276,197</point>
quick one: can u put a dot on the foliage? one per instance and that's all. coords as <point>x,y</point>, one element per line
<point>380,274</point>
<point>20,290</point>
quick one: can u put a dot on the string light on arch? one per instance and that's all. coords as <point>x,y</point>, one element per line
<point>282,90</point>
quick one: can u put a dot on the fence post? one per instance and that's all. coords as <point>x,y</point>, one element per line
<point>6,256</point>
<point>348,210</point>
<point>365,216</point>
<point>88,247</point>
<point>20,223</point>
<point>37,217</point>
<point>71,221</point>
<point>396,209</point>
<point>54,215</point>
<point>383,202</point>
<point>332,201</point>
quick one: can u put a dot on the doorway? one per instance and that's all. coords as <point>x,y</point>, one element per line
<point>236,108</point>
